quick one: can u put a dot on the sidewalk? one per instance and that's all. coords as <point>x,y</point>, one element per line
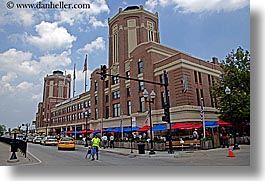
<point>5,155</point>
<point>177,153</point>
<point>217,156</point>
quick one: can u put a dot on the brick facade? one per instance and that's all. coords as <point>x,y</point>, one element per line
<point>134,40</point>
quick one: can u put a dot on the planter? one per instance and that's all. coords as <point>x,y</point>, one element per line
<point>206,144</point>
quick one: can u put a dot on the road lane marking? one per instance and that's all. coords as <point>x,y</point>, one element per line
<point>28,164</point>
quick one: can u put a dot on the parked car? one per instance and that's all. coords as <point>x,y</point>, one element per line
<point>20,137</point>
<point>66,143</point>
<point>49,140</point>
<point>37,139</point>
<point>30,138</point>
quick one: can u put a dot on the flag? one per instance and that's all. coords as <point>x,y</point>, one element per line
<point>147,117</point>
<point>74,72</point>
<point>85,65</point>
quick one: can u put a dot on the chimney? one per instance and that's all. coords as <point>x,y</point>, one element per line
<point>215,60</point>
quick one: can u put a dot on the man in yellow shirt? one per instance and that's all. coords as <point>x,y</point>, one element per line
<point>95,145</point>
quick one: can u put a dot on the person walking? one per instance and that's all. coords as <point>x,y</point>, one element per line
<point>111,141</point>
<point>95,145</point>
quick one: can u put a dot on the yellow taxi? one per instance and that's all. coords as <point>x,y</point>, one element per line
<point>66,143</point>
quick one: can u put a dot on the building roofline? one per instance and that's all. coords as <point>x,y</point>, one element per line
<point>133,11</point>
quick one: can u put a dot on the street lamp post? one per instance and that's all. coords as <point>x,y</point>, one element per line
<point>86,114</point>
<point>228,92</point>
<point>149,101</point>
<point>47,122</point>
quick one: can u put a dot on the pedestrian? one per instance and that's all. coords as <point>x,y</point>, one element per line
<point>224,137</point>
<point>111,141</point>
<point>105,141</point>
<point>195,134</point>
<point>95,145</point>
<point>89,151</point>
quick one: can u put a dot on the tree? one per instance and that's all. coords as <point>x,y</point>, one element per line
<point>2,129</point>
<point>236,75</point>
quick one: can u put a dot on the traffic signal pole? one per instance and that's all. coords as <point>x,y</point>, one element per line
<point>166,105</point>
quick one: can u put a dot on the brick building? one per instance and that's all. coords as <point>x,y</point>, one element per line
<point>135,51</point>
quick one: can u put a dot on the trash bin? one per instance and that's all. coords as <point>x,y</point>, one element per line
<point>141,148</point>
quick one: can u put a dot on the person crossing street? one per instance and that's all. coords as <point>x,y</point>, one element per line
<point>95,145</point>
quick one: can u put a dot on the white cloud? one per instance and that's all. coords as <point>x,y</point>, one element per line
<point>96,23</point>
<point>10,76</point>
<point>36,96</point>
<point>52,61</point>
<point>5,88</point>
<point>19,16</point>
<point>25,86</point>
<point>198,6</point>
<point>73,16</point>
<point>98,44</point>
<point>51,37</point>
<point>20,74</point>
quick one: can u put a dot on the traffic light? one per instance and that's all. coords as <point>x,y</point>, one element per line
<point>103,72</point>
<point>166,116</point>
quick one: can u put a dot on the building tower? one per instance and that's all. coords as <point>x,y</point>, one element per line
<point>56,89</point>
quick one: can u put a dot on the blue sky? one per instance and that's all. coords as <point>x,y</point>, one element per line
<point>36,42</point>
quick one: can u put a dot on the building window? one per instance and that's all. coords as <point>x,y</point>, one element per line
<point>107,112</point>
<point>116,94</point>
<point>195,77</point>
<point>96,100</point>
<point>89,103</point>
<point>162,99</point>
<point>142,107</point>
<point>116,110</point>
<point>209,80</point>
<point>115,80</point>
<point>200,77</point>
<point>128,91</point>
<point>115,43</point>
<point>198,97</point>
<point>202,93</point>
<point>96,113</point>
<point>106,98</point>
<point>150,31</point>
<point>161,78</point>
<point>141,86</point>
<point>140,67</point>
<point>128,74</point>
<point>129,107</point>
<point>96,85</point>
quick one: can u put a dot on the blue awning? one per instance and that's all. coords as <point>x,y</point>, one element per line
<point>109,130</point>
<point>211,124</point>
<point>159,127</point>
<point>128,129</point>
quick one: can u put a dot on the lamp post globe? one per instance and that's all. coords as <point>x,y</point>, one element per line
<point>149,101</point>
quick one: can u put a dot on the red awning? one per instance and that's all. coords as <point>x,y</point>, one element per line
<point>144,128</point>
<point>69,132</point>
<point>84,131</point>
<point>186,125</point>
<point>221,122</point>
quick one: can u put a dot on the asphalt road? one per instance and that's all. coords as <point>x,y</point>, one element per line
<point>50,156</point>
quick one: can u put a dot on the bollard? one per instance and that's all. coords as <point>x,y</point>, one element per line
<point>14,149</point>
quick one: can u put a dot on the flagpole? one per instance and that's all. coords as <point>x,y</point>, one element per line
<point>85,70</point>
<point>121,127</point>
<point>74,82</point>
<point>203,121</point>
